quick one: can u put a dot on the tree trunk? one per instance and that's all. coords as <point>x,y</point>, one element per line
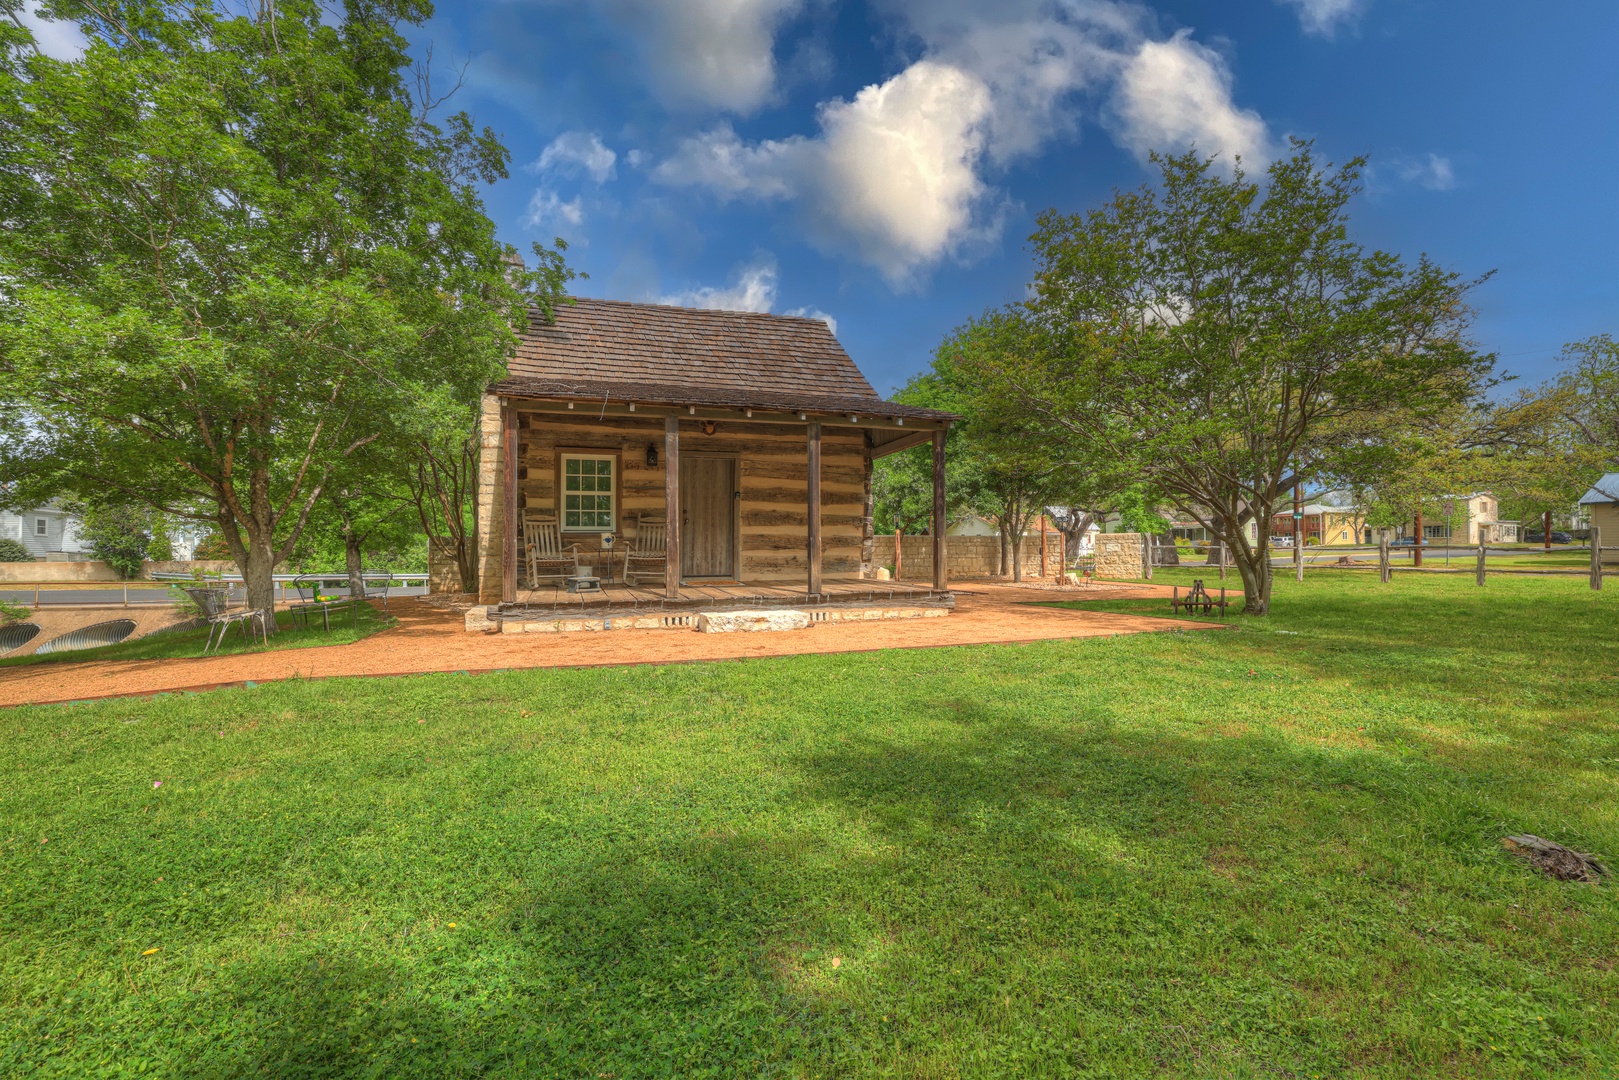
<point>1017,555</point>
<point>1253,566</point>
<point>1005,567</point>
<point>1171,555</point>
<point>258,569</point>
<point>354,563</point>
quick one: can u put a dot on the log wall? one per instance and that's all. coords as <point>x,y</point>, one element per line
<point>773,473</point>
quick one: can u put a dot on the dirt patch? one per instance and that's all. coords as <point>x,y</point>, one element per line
<point>430,639</point>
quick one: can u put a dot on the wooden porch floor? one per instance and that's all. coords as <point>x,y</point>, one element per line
<point>617,595</point>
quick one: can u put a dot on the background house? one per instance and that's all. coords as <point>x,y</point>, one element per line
<point>1602,504</point>
<point>48,532</point>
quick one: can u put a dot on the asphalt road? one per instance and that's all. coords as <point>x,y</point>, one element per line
<point>145,596</point>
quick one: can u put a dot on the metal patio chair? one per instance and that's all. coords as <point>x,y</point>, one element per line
<point>214,603</point>
<point>648,556</point>
<point>304,608</point>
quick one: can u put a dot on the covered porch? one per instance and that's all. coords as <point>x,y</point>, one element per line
<point>746,505</point>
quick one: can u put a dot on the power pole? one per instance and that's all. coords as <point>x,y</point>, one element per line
<point>1298,536</point>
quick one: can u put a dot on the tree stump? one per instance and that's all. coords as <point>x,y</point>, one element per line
<point>1555,859</point>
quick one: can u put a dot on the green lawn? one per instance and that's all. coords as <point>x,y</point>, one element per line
<point>1264,852</point>
<point>345,627</point>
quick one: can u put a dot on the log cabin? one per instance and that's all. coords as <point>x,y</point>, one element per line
<point>749,437</point>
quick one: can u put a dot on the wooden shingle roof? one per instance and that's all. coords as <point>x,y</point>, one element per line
<point>685,356</point>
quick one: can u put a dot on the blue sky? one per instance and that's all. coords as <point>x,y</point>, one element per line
<point>882,162</point>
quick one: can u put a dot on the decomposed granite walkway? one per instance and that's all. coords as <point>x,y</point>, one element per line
<point>428,639</point>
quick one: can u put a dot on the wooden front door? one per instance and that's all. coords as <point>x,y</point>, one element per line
<point>707,516</point>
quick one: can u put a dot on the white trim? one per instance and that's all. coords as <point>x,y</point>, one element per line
<point>611,493</point>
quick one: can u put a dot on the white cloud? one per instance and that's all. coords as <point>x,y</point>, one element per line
<point>1323,17</point>
<point>715,53</point>
<point>1431,171</point>
<point>817,313</point>
<point>753,290</point>
<point>546,207</point>
<point>892,176</point>
<point>56,38</point>
<point>899,175</point>
<point>1176,95</point>
<point>575,152</point>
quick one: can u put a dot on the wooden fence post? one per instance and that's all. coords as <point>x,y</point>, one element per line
<point>1384,570</point>
<point>1596,558</point>
<point>1146,555</point>
<point>898,552</point>
<point>1481,562</point>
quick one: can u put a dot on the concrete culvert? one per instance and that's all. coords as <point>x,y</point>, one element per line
<point>90,637</point>
<point>17,635</point>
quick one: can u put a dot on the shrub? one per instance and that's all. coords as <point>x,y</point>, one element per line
<point>13,551</point>
<point>119,534</point>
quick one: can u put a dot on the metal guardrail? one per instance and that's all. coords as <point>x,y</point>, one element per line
<point>161,583</point>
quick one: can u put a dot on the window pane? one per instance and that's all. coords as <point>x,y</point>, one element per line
<point>572,466</point>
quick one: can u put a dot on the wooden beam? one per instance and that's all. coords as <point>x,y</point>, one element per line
<point>941,579</point>
<point>894,446</point>
<point>510,532</point>
<point>813,533</point>
<point>671,513</point>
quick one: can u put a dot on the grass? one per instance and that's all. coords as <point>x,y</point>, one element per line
<point>1267,852</point>
<point>169,644</point>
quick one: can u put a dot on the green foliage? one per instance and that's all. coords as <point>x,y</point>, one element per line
<point>1237,853</point>
<point>236,248</point>
<point>1218,341</point>
<point>10,613</point>
<point>161,548</point>
<point>13,551</point>
<point>211,547</point>
<point>119,533</point>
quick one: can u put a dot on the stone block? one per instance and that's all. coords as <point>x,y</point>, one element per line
<point>478,619</point>
<point>726,622</point>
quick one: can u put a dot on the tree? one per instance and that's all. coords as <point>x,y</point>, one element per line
<point>235,248</point>
<point>13,551</point>
<point>1220,341</point>
<point>119,532</point>
<point>1547,446</point>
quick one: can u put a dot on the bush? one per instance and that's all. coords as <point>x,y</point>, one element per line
<point>13,551</point>
<point>119,535</point>
<point>212,546</point>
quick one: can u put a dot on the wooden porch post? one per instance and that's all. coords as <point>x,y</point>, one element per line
<point>671,507</point>
<point>814,509</point>
<point>941,579</point>
<point>509,533</point>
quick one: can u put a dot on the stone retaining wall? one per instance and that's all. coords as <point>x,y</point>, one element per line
<point>966,557</point>
<point>96,570</point>
<point>1119,555</point>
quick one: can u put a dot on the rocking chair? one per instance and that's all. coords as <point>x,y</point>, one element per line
<point>547,558</point>
<point>648,557</point>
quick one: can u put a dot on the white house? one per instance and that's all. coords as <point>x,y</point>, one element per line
<point>48,532</point>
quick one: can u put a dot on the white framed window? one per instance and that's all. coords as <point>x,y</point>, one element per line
<point>42,527</point>
<point>589,493</point>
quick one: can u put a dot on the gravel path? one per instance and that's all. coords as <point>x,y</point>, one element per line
<point>428,639</point>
